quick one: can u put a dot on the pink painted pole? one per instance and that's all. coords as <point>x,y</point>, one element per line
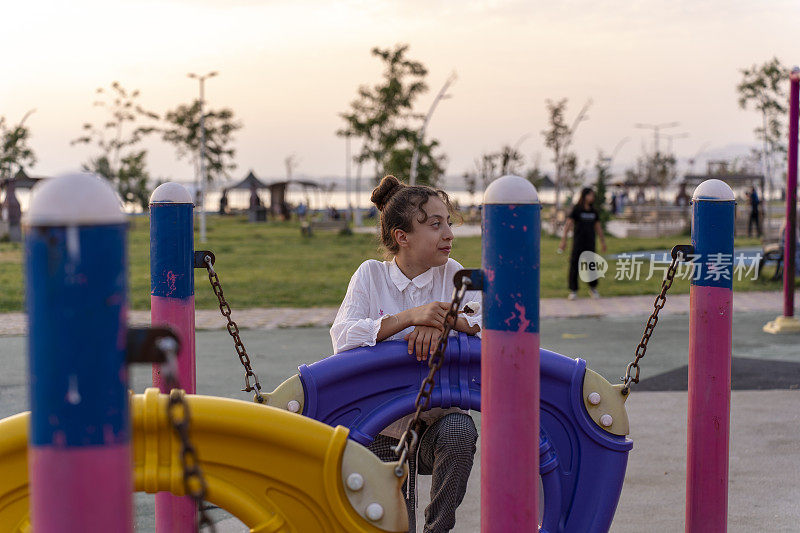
<point>172,304</point>
<point>510,358</point>
<point>791,199</point>
<point>710,328</point>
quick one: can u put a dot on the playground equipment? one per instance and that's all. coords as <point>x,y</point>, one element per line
<point>788,323</point>
<point>254,465</point>
<point>365,389</point>
<point>172,305</point>
<point>79,444</point>
<point>583,421</point>
<point>582,447</point>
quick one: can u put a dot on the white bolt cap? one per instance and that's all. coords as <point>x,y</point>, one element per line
<point>170,193</point>
<point>511,190</point>
<point>594,398</point>
<point>293,406</point>
<point>355,481</point>
<point>80,199</point>
<point>374,511</point>
<point>713,190</point>
<point>606,420</point>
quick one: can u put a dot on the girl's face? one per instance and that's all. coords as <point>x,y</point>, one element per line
<point>590,198</point>
<point>430,242</point>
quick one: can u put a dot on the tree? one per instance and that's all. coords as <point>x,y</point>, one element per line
<point>382,116</point>
<point>559,139</point>
<point>603,170</point>
<point>182,130</point>
<point>14,149</point>
<point>510,160</point>
<point>656,170</point>
<point>762,86</point>
<point>535,174</point>
<point>430,166</point>
<point>119,160</point>
<point>471,184</point>
<point>486,166</point>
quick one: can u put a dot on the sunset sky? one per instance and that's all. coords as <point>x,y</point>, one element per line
<point>287,68</point>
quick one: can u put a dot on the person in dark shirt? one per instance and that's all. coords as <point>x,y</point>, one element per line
<point>755,218</point>
<point>585,221</point>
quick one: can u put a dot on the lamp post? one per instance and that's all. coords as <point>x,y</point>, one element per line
<point>347,177</point>
<point>202,198</point>
<point>412,177</point>
<point>656,129</point>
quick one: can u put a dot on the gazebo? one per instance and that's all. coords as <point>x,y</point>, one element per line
<point>278,206</point>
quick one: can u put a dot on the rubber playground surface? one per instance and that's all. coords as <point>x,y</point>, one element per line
<point>765,419</point>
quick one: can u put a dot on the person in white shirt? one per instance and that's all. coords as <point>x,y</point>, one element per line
<point>407,297</point>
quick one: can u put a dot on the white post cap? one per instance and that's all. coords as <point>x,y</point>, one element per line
<point>511,189</point>
<point>713,190</point>
<point>80,199</point>
<point>171,193</point>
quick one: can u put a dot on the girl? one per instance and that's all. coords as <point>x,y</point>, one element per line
<point>407,297</point>
<point>586,221</point>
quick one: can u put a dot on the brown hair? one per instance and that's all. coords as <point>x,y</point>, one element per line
<point>399,204</point>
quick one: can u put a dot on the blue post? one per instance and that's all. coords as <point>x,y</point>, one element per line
<point>79,440</point>
<point>510,357</point>
<point>172,304</point>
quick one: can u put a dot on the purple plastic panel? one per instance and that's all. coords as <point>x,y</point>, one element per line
<point>582,466</point>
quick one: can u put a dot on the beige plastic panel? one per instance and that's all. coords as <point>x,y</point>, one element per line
<point>291,389</point>
<point>612,402</point>
<point>380,486</point>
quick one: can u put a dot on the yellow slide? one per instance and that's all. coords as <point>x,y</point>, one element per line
<point>274,470</point>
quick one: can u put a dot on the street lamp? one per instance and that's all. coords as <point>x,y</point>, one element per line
<point>656,128</point>
<point>412,178</point>
<point>202,198</point>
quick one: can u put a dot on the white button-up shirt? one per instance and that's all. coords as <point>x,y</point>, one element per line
<point>379,289</point>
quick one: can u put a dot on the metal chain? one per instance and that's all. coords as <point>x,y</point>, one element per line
<point>233,329</point>
<point>179,417</point>
<point>408,440</point>
<point>679,254</point>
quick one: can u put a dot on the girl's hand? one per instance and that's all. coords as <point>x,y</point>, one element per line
<point>431,314</point>
<point>423,341</point>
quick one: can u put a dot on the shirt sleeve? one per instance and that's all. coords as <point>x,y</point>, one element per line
<point>476,297</point>
<point>475,318</point>
<point>352,327</point>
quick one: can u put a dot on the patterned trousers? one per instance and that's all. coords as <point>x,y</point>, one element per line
<point>445,451</point>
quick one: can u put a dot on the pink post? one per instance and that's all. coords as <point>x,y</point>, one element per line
<point>172,304</point>
<point>791,199</point>
<point>510,358</point>
<point>710,327</point>
<point>788,323</point>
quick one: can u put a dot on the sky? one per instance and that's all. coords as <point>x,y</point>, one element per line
<point>288,68</point>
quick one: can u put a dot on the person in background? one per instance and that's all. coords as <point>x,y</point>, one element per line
<point>223,203</point>
<point>755,212</point>
<point>584,220</point>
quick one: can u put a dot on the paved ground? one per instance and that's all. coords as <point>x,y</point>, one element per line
<point>287,317</point>
<point>765,454</point>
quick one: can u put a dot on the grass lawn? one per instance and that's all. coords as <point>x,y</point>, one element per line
<point>272,265</point>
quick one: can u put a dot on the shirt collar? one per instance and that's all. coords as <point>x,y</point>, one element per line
<point>401,281</point>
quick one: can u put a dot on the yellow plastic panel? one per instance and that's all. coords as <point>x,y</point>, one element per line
<point>274,470</point>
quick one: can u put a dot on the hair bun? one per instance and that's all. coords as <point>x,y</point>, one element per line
<point>381,194</point>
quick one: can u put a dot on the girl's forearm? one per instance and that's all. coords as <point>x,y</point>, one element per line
<point>463,326</point>
<point>391,325</point>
